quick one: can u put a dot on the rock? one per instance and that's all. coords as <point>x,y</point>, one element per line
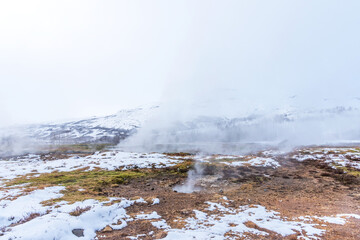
<point>186,212</point>
<point>107,229</point>
<point>78,232</point>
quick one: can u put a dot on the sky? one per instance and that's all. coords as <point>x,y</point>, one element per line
<point>73,59</point>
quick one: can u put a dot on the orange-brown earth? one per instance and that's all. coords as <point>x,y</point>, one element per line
<point>295,189</point>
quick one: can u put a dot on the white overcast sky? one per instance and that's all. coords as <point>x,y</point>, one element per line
<point>73,58</point>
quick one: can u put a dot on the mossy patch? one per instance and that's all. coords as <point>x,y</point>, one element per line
<point>86,148</point>
<point>81,185</point>
<point>348,170</point>
<point>179,154</point>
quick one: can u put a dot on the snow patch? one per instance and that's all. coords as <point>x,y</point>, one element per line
<point>58,223</point>
<point>256,162</point>
<point>109,160</point>
<point>152,215</point>
<point>12,211</point>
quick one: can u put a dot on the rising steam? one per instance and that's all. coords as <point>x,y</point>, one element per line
<point>196,130</point>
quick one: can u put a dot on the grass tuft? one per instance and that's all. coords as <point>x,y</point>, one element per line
<point>78,211</point>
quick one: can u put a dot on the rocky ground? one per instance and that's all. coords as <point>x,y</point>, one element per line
<point>311,193</point>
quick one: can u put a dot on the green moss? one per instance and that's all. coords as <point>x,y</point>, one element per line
<point>179,154</point>
<point>78,148</point>
<point>94,182</point>
<point>348,170</point>
<point>80,178</point>
<point>183,167</point>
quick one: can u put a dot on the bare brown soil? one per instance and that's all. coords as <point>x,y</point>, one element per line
<point>295,189</point>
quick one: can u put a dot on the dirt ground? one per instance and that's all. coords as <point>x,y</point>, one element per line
<point>294,189</point>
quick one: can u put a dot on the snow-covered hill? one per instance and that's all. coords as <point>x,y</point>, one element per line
<point>109,129</point>
<point>331,124</point>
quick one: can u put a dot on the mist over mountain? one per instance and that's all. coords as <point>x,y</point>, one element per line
<point>96,130</point>
<point>157,128</point>
<point>282,128</point>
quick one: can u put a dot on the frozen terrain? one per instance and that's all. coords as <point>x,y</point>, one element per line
<point>110,160</point>
<point>36,211</point>
<point>109,129</point>
<point>335,157</point>
<point>26,218</point>
<point>114,193</point>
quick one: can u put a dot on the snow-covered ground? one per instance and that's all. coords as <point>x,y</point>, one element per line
<point>17,219</point>
<point>257,162</point>
<point>219,221</point>
<point>24,216</point>
<point>333,156</point>
<point>109,160</point>
<point>58,222</point>
<point>214,225</point>
<point>239,160</point>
